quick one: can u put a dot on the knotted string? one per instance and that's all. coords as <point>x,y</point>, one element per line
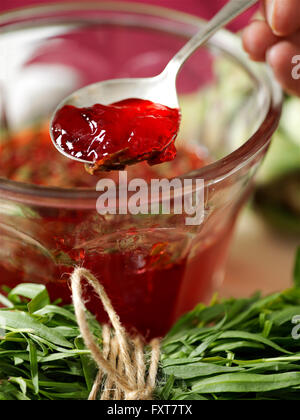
<point>121,362</point>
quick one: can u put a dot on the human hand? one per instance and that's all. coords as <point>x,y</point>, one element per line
<point>276,39</point>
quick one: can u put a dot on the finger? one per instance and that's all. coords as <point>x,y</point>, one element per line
<point>282,57</point>
<point>283,16</point>
<point>257,39</point>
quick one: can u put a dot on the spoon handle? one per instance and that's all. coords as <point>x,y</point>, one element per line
<point>229,12</point>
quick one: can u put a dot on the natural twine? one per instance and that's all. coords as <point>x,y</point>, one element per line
<point>121,363</point>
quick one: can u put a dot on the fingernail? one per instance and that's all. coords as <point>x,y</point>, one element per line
<point>270,12</point>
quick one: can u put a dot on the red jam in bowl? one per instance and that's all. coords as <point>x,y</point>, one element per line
<point>121,134</point>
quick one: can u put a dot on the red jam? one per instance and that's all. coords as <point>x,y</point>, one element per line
<point>111,137</point>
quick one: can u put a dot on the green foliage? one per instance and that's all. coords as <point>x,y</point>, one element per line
<point>235,349</point>
<point>42,356</point>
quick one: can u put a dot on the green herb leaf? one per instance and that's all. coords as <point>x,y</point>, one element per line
<point>198,369</point>
<point>22,321</point>
<point>33,366</point>
<point>246,382</point>
<point>37,293</point>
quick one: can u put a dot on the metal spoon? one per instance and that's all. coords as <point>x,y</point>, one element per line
<point>159,89</point>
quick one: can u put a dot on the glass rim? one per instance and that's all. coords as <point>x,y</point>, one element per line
<point>212,173</point>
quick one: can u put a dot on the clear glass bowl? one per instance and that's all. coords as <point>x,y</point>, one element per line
<point>154,267</point>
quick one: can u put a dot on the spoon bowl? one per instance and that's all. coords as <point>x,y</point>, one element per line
<point>111,91</point>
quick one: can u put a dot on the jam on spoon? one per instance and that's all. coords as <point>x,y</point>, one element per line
<point>112,137</point>
<point>145,130</point>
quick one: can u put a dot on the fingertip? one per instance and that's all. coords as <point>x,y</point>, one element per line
<point>257,39</point>
<point>277,55</point>
<point>283,16</point>
<point>280,58</point>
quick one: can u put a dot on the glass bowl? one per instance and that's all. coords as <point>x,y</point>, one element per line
<point>154,267</point>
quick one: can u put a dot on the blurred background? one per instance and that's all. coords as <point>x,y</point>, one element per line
<point>198,7</point>
<point>268,233</point>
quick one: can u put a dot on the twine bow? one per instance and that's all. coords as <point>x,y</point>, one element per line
<point>122,359</point>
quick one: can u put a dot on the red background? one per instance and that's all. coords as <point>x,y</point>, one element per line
<point>203,8</point>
